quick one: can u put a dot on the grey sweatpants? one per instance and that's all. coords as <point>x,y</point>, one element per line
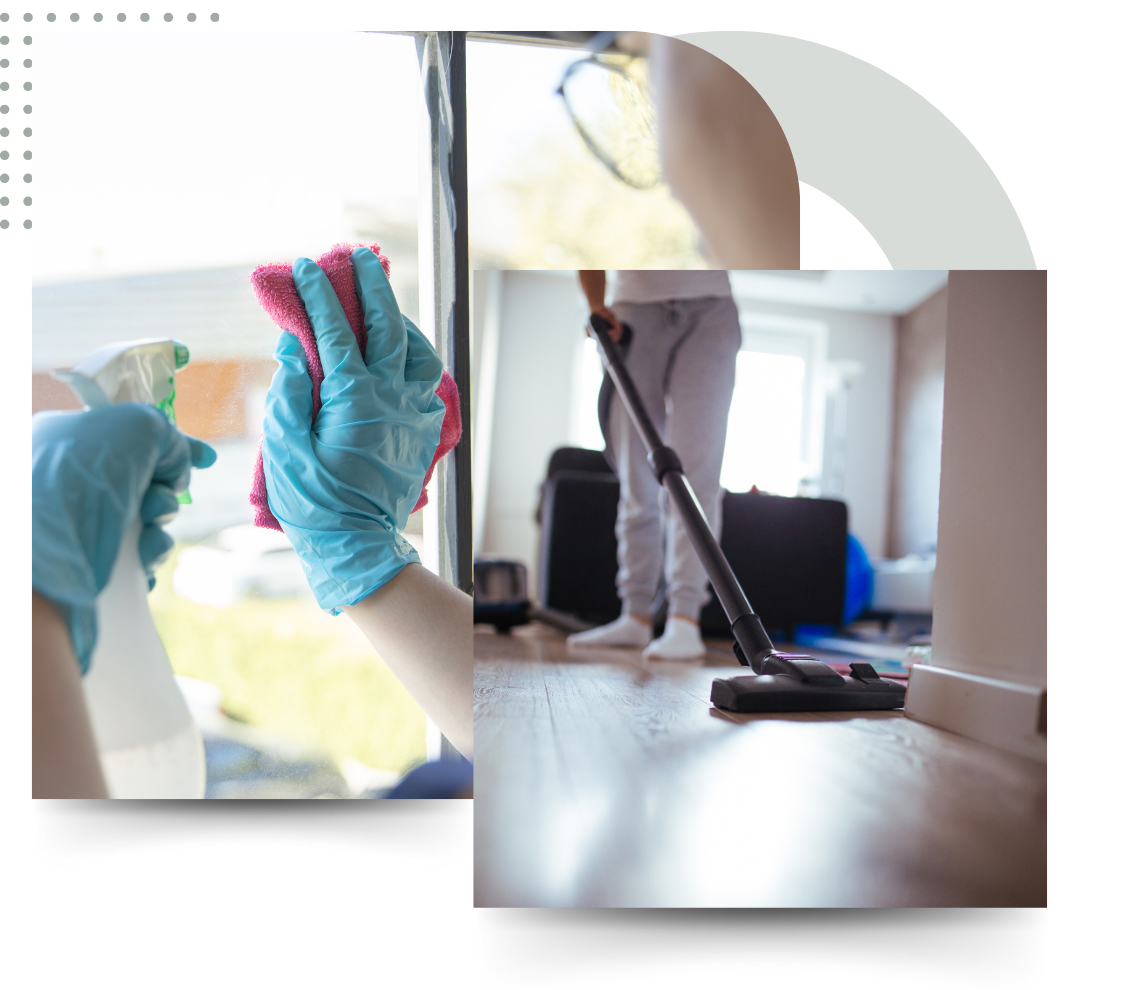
<point>682,359</point>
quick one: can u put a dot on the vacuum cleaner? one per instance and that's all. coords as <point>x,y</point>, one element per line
<point>781,682</point>
<point>500,598</point>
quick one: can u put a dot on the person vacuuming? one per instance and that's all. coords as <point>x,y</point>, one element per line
<point>684,336</point>
<point>781,682</point>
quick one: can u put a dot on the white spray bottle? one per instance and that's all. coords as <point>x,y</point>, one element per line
<point>148,743</point>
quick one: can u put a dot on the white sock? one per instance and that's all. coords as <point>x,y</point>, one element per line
<point>625,631</point>
<point>681,641</point>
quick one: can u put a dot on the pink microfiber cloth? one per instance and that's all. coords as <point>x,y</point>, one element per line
<point>273,285</point>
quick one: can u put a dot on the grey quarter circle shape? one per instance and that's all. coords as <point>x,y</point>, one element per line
<point>881,151</point>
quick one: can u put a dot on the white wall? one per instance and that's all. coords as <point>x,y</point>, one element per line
<point>869,339</point>
<point>540,326</point>
<point>916,458</point>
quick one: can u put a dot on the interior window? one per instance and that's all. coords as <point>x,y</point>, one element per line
<point>763,445</point>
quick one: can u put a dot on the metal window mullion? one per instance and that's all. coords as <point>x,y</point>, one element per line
<point>443,291</point>
<point>443,256</point>
<point>459,360</point>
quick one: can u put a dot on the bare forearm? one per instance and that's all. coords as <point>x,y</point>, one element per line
<point>64,755</point>
<point>422,628</point>
<point>593,287</point>
<point>726,158</point>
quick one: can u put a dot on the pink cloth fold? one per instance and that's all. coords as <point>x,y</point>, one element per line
<point>277,294</point>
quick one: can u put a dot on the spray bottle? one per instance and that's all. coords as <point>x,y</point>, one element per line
<point>147,741</point>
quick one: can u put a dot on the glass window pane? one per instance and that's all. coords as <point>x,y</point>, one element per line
<point>183,163</point>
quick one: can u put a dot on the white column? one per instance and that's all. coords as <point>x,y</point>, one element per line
<point>988,675</point>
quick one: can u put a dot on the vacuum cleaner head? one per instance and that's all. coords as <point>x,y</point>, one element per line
<point>793,683</point>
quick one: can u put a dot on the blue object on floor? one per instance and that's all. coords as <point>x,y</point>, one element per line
<point>859,585</point>
<point>806,635</point>
<point>440,779</point>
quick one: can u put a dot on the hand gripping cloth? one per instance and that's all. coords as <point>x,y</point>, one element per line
<point>273,285</point>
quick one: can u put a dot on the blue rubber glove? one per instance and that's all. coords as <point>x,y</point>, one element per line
<point>343,487</point>
<point>91,473</point>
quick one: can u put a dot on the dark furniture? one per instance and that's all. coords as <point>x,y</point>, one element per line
<point>789,554</point>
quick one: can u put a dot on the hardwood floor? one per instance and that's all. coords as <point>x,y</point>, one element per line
<point>605,780</point>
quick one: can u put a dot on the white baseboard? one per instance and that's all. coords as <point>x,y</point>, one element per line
<point>1009,716</point>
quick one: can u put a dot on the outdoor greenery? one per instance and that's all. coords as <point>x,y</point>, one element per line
<point>290,669</point>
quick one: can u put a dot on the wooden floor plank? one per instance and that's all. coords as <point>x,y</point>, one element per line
<point>603,780</point>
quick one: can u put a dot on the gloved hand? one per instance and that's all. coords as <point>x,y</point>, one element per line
<point>343,487</point>
<point>91,473</point>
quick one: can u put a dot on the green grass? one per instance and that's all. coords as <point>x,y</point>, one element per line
<point>292,670</point>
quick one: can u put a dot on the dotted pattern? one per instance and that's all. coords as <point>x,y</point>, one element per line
<point>12,79</point>
<point>9,82</point>
<point>121,18</point>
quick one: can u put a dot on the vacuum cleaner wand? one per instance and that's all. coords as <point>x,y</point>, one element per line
<point>787,682</point>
